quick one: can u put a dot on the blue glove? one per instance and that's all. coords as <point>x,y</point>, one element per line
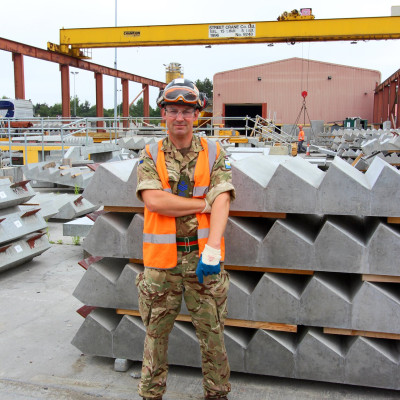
<point>205,269</point>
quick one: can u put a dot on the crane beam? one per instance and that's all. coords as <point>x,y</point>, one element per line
<point>312,30</point>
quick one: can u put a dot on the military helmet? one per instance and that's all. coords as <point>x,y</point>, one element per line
<point>184,92</point>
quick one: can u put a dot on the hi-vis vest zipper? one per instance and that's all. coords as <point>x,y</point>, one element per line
<point>159,232</point>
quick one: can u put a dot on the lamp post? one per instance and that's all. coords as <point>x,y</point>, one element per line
<point>74,73</point>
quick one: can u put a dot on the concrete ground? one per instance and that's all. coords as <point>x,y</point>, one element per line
<point>37,361</point>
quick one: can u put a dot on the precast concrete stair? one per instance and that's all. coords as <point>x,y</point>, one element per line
<point>299,242</point>
<point>138,142</point>
<point>321,300</point>
<point>308,354</point>
<point>20,251</point>
<point>13,194</point>
<point>17,222</point>
<point>277,184</point>
<point>74,176</point>
<point>22,228</point>
<point>307,268</point>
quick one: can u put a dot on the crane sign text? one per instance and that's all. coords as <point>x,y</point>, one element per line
<point>237,30</point>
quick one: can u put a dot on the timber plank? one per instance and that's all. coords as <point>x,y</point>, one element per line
<point>353,332</point>
<point>272,326</point>
<point>254,269</point>
<point>380,278</point>
<point>231,213</point>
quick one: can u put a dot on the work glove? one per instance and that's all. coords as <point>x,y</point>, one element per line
<point>209,263</point>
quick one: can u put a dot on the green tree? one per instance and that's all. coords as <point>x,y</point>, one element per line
<point>205,86</point>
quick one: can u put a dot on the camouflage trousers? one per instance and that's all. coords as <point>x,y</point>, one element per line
<point>160,298</point>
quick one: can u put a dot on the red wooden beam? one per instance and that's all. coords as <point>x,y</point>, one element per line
<point>125,101</point>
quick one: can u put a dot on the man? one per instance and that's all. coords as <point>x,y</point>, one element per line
<point>185,183</point>
<point>300,148</point>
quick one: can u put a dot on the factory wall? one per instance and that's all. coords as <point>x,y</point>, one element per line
<point>335,92</point>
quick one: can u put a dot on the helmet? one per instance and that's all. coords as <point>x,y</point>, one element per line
<point>300,126</point>
<point>184,92</point>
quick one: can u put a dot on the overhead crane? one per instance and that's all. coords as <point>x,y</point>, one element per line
<point>74,41</point>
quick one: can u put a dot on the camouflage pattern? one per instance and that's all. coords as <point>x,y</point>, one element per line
<point>182,167</point>
<point>160,297</point>
<point>160,291</point>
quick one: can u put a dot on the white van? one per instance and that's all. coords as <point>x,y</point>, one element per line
<point>13,108</point>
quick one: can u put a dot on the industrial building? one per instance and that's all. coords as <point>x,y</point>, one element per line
<point>274,90</point>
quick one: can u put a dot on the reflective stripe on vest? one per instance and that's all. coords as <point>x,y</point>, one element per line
<point>159,233</point>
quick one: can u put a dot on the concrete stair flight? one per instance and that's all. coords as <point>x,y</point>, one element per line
<point>308,354</point>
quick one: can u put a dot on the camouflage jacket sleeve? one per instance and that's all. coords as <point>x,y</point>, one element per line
<point>221,178</point>
<point>147,176</point>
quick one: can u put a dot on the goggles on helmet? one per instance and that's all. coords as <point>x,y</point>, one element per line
<point>179,93</point>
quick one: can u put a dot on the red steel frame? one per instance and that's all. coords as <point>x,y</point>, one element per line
<point>19,50</point>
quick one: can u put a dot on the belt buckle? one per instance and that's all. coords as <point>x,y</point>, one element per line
<point>187,245</point>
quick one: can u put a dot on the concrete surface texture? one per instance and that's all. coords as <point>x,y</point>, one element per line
<point>37,360</point>
<point>290,185</point>
<point>321,300</point>
<point>345,244</point>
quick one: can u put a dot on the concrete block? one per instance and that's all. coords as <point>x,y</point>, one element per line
<point>116,235</point>
<point>385,182</point>
<point>78,227</point>
<point>114,184</point>
<point>372,362</point>
<point>320,357</point>
<point>340,246</point>
<point>287,289</point>
<point>128,338</point>
<point>384,249</point>
<point>272,353</point>
<point>290,243</point>
<point>376,308</point>
<point>327,301</point>
<point>109,283</point>
<point>122,364</point>
<point>343,188</point>
<point>95,336</point>
<point>244,230</point>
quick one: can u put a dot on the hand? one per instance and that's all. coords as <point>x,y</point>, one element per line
<point>209,263</point>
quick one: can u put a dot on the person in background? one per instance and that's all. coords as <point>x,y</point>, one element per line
<point>300,148</point>
<point>185,182</point>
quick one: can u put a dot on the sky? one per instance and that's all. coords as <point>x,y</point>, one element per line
<point>37,22</point>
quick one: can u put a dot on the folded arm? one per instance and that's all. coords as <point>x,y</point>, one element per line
<point>171,205</point>
<point>218,219</point>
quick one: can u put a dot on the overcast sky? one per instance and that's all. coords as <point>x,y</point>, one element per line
<point>37,22</point>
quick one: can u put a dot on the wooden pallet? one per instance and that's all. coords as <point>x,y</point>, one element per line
<point>271,326</point>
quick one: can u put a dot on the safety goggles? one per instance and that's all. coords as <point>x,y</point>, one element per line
<point>177,93</point>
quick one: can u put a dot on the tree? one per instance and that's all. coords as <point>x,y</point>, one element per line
<point>205,86</point>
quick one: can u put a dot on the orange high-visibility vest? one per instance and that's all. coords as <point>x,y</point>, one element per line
<point>159,232</point>
<point>301,135</point>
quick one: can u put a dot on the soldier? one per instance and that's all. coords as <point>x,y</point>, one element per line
<point>185,183</point>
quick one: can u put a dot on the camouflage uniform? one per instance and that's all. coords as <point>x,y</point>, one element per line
<point>161,290</point>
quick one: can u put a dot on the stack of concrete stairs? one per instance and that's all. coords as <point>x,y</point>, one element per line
<point>22,230</point>
<point>56,173</point>
<point>313,259</point>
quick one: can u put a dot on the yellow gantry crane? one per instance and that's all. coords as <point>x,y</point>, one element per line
<point>290,28</point>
